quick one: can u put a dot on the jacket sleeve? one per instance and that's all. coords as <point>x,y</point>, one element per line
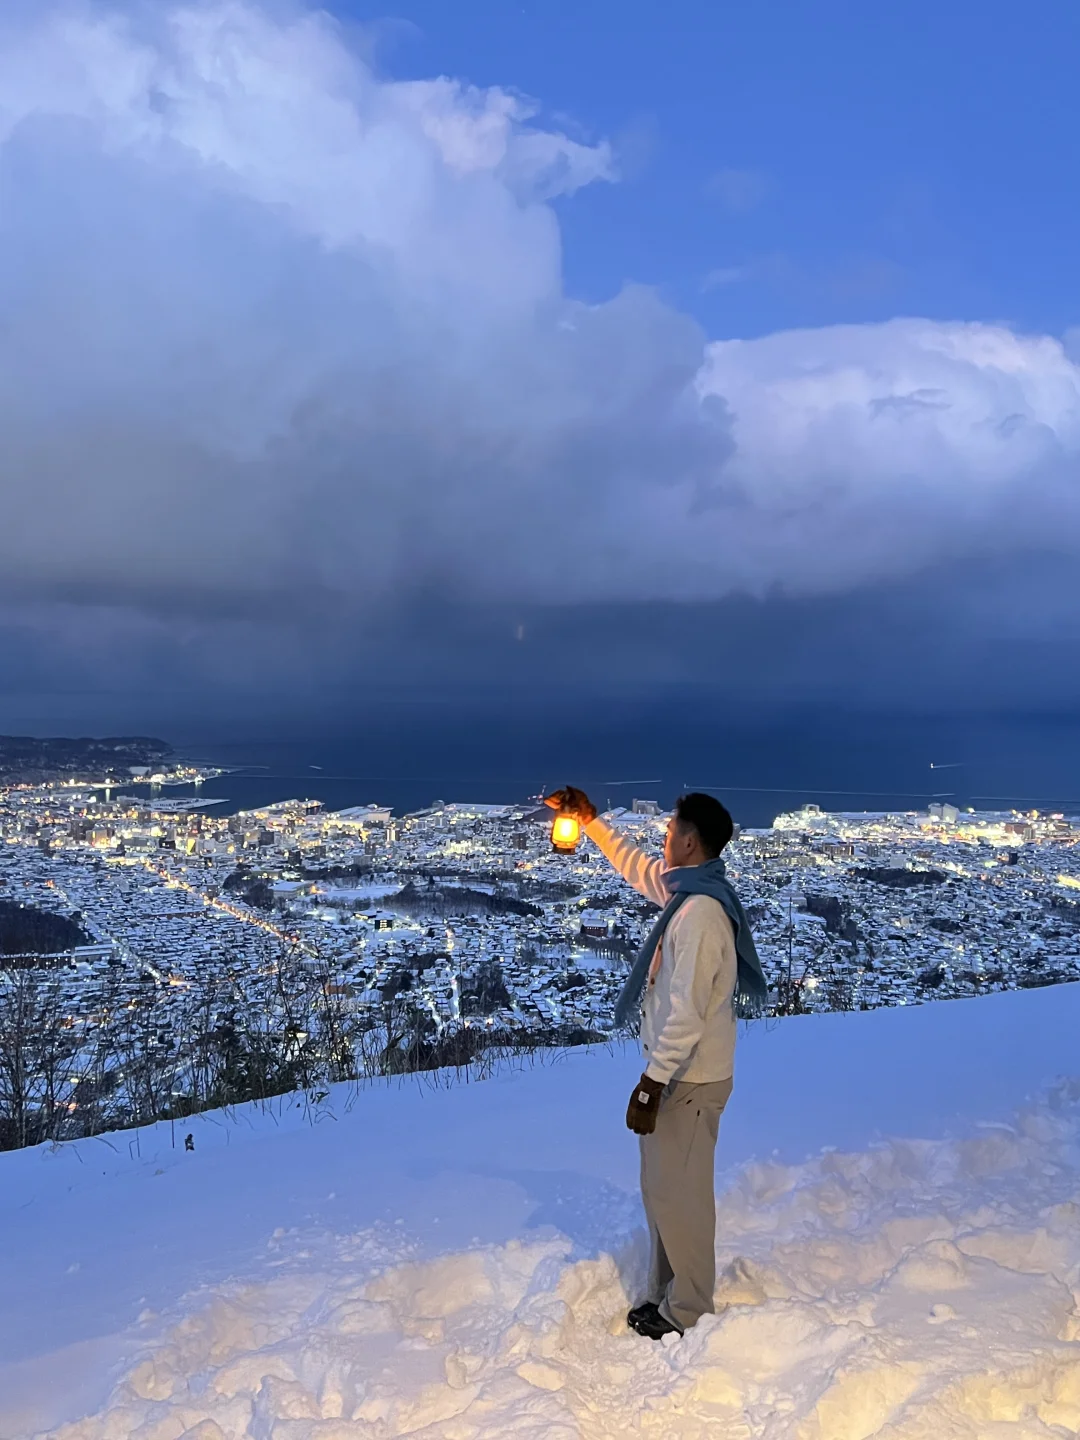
<point>632,863</point>
<point>700,960</point>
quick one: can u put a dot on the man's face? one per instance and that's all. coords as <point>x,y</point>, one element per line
<point>679,842</point>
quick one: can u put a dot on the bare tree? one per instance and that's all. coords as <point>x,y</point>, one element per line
<point>34,1046</point>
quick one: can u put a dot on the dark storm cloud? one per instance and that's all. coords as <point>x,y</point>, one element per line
<point>288,380</point>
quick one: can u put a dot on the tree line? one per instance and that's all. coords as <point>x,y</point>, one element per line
<point>152,1052</point>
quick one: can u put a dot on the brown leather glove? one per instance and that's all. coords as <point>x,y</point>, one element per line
<point>644,1103</point>
<point>572,801</point>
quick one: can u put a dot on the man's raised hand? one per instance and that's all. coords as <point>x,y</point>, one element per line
<point>572,801</point>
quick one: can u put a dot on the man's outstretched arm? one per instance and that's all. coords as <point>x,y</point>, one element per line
<point>633,864</point>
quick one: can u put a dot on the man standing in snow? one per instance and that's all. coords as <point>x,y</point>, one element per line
<point>697,971</point>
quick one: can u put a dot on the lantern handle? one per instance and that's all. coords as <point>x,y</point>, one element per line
<point>572,801</point>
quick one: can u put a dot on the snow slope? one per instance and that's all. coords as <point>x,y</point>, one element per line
<point>898,1240</point>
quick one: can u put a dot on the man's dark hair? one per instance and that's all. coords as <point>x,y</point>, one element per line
<point>709,818</point>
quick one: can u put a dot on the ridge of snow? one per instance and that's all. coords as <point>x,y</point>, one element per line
<point>898,1246</point>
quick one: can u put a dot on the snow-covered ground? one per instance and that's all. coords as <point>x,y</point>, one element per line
<point>898,1242</point>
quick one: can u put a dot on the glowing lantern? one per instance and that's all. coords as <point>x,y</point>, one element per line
<point>565,834</point>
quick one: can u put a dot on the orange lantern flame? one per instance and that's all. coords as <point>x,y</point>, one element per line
<point>565,834</point>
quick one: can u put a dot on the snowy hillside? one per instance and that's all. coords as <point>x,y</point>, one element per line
<point>455,1263</point>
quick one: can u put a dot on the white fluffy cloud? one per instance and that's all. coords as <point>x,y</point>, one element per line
<point>277,331</point>
<point>866,452</point>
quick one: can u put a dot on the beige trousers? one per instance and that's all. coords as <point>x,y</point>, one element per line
<point>677,1162</point>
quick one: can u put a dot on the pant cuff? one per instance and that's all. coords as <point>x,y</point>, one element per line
<point>667,1315</point>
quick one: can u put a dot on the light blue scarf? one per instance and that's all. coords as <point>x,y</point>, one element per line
<point>751,987</point>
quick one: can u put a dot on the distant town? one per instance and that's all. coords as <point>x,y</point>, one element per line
<point>464,912</point>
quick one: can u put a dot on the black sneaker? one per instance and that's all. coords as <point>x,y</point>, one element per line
<point>648,1311</point>
<point>653,1325</point>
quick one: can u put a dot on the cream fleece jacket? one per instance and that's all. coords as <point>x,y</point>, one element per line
<point>687,1018</point>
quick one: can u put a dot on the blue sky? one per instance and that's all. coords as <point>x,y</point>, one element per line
<point>821,160</point>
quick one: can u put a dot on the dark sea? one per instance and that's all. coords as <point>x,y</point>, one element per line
<point>840,761</point>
